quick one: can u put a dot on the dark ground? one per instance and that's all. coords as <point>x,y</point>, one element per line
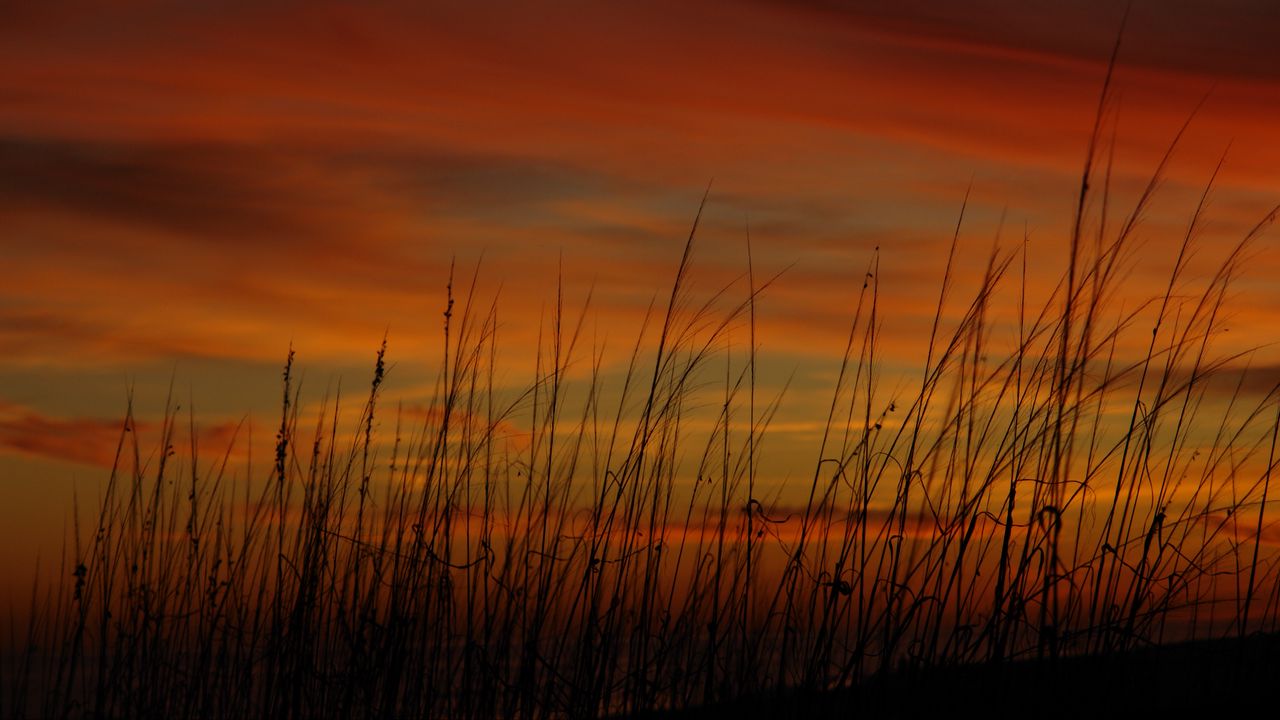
<point>1204,679</point>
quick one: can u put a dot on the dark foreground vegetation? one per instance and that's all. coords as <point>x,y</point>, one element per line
<point>1191,679</point>
<point>1082,475</point>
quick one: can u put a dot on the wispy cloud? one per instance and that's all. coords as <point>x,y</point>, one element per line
<point>89,440</point>
<point>179,180</point>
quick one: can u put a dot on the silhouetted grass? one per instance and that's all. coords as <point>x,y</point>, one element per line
<point>576,549</point>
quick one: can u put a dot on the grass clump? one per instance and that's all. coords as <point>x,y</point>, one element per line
<point>584,548</point>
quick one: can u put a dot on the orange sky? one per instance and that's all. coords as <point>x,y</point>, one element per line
<point>188,188</point>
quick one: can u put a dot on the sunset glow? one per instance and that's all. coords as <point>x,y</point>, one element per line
<point>192,191</point>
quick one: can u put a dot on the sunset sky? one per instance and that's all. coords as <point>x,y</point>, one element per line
<point>187,189</point>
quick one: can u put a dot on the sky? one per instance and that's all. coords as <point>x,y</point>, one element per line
<point>189,189</point>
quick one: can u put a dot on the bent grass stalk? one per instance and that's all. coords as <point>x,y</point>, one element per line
<point>482,579</point>
<point>583,546</point>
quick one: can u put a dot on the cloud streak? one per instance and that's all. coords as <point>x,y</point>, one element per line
<point>180,180</point>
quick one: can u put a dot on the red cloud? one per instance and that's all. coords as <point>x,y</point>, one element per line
<point>83,440</point>
<point>89,441</point>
